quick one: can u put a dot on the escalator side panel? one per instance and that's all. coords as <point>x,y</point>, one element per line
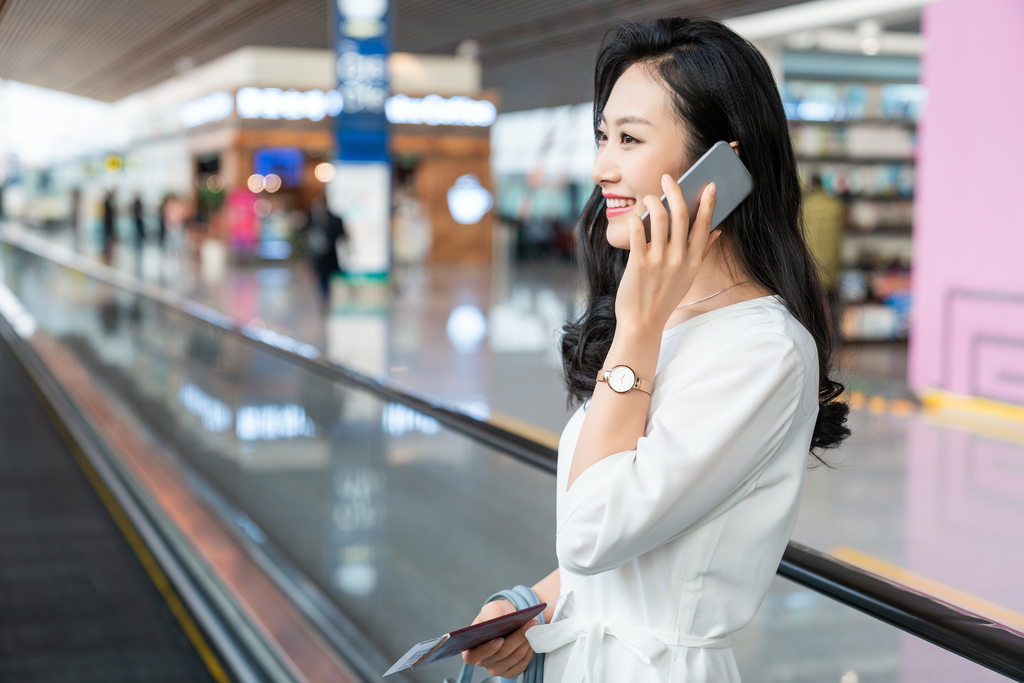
<point>76,603</point>
<point>281,626</point>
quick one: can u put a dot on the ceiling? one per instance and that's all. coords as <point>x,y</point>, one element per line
<point>535,52</point>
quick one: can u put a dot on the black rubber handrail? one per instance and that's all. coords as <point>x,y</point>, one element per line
<point>968,635</point>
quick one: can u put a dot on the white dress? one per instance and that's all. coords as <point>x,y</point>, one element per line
<point>670,548</point>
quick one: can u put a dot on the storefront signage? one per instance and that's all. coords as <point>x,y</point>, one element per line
<point>361,189</point>
<point>261,103</point>
<point>274,103</point>
<point>361,48</point>
<point>434,110</point>
<point>314,105</point>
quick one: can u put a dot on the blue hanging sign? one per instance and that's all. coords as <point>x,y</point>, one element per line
<point>362,43</point>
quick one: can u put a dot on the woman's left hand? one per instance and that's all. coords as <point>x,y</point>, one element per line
<point>659,274</point>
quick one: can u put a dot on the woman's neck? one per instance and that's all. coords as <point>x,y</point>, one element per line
<point>716,275</point>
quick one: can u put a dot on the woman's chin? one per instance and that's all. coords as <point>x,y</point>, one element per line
<point>618,237</point>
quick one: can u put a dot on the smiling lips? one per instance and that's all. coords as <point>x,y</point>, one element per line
<point>616,205</point>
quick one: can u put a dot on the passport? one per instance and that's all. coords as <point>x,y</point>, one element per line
<point>451,644</point>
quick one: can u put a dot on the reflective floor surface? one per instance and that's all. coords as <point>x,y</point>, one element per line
<point>408,527</point>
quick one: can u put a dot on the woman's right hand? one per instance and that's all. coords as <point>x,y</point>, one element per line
<point>506,657</point>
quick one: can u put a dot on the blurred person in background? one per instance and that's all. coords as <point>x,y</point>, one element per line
<point>140,223</point>
<point>109,234</point>
<point>75,217</point>
<point>701,367</point>
<point>824,216</point>
<point>161,222</point>
<point>323,232</point>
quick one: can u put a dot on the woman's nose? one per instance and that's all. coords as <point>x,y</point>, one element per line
<point>605,170</point>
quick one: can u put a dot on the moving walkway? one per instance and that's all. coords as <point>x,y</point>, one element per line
<point>315,522</point>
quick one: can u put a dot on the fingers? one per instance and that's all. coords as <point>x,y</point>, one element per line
<point>514,664</point>
<point>680,219</point>
<point>492,653</point>
<point>702,225</point>
<point>659,221</point>
<point>482,654</point>
<point>637,236</point>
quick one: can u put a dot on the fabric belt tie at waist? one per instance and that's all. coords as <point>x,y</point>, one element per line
<point>587,635</point>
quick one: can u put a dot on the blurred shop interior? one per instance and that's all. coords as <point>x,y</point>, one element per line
<point>245,143</point>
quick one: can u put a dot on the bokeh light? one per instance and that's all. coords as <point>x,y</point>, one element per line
<point>272,182</point>
<point>325,172</point>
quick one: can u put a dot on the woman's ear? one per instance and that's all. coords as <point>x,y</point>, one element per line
<point>735,147</point>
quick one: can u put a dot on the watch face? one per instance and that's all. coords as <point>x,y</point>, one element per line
<point>621,379</point>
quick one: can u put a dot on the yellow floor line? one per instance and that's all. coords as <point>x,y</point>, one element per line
<point>525,429</point>
<point>940,400</point>
<point>979,416</point>
<point>905,577</point>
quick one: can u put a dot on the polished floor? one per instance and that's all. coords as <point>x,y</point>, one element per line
<point>354,490</point>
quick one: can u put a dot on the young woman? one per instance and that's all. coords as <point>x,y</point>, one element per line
<point>702,367</point>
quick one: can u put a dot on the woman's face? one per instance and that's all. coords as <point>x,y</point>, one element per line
<point>639,139</point>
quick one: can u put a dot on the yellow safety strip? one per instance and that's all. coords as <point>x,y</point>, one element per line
<point>937,399</point>
<point>525,429</point>
<point>979,416</point>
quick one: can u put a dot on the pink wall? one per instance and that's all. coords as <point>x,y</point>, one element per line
<point>967,332</point>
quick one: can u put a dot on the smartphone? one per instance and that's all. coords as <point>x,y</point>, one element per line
<point>719,165</point>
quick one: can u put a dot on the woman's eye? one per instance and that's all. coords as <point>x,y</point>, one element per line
<point>599,136</point>
<point>627,138</point>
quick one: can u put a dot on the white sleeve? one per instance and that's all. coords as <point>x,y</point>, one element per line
<point>708,439</point>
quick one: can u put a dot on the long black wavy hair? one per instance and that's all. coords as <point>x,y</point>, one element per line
<point>723,90</point>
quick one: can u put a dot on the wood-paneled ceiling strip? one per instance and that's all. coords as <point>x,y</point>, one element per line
<point>113,35</point>
<point>244,22</point>
<point>70,33</point>
<point>164,44</point>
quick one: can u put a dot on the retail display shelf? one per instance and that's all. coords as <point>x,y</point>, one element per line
<point>859,142</point>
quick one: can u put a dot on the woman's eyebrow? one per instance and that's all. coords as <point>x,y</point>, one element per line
<point>633,118</point>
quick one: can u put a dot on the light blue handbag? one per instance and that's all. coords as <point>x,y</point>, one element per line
<point>521,597</point>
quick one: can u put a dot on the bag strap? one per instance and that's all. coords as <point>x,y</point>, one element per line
<point>521,598</point>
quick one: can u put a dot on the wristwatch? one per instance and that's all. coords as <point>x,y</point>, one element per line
<point>621,379</point>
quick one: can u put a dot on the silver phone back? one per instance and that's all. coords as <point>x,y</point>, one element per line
<point>721,166</point>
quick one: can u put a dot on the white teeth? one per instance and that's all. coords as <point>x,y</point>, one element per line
<point>619,203</point>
